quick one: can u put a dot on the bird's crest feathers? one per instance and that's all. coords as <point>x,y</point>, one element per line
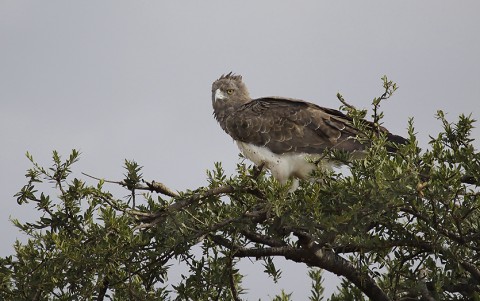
<point>231,75</point>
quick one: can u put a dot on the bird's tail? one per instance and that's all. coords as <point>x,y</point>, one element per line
<point>397,140</point>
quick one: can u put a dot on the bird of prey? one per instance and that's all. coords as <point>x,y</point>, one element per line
<point>284,135</point>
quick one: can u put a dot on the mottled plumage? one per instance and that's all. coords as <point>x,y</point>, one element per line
<point>282,133</point>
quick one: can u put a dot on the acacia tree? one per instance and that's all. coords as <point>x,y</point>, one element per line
<point>403,226</point>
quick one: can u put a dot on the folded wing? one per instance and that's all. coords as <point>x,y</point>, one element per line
<point>288,125</point>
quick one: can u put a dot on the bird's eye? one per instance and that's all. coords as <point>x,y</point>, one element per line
<point>230,91</point>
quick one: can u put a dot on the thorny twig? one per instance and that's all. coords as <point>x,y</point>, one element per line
<point>157,187</point>
<point>342,100</point>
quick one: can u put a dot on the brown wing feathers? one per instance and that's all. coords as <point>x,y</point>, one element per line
<point>286,125</point>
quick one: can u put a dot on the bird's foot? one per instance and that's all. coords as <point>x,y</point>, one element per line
<point>257,170</point>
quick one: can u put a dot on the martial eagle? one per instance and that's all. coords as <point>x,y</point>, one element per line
<point>284,135</point>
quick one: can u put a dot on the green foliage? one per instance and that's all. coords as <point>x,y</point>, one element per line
<point>396,226</point>
<point>317,287</point>
<point>282,296</point>
<point>348,292</point>
<point>271,270</point>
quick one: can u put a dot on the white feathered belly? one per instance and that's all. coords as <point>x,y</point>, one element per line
<point>282,166</point>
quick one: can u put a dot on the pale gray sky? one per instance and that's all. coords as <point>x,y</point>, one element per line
<point>131,79</point>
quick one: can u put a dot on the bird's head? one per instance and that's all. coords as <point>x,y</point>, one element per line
<point>229,90</point>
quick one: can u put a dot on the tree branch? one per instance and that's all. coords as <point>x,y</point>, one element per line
<point>426,295</point>
<point>159,188</point>
<point>342,100</point>
<point>153,186</point>
<point>233,288</point>
<point>312,255</point>
<point>262,239</point>
<point>239,251</point>
<point>150,220</point>
<point>103,289</point>
<point>328,260</point>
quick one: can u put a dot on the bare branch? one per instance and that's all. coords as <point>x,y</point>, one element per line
<point>153,186</point>
<point>239,251</point>
<point>160,188</point>
<point>262,239</point>
<point>106,181</point>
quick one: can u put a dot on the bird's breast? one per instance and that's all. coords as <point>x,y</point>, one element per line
<point>283,166</point>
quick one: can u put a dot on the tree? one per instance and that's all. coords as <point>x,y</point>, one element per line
<point>403,226</point>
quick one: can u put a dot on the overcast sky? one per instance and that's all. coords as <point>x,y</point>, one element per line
<point>131,80</point>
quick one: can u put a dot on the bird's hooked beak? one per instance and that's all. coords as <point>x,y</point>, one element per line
<point>219,95</point>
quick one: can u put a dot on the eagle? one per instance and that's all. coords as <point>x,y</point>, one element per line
<point>285,135</point>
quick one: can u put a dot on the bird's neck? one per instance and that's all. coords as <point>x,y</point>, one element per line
<point>222,111</point>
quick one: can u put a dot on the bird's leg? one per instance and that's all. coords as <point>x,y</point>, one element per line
<point>257,170</point>
<point>294,185</point>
